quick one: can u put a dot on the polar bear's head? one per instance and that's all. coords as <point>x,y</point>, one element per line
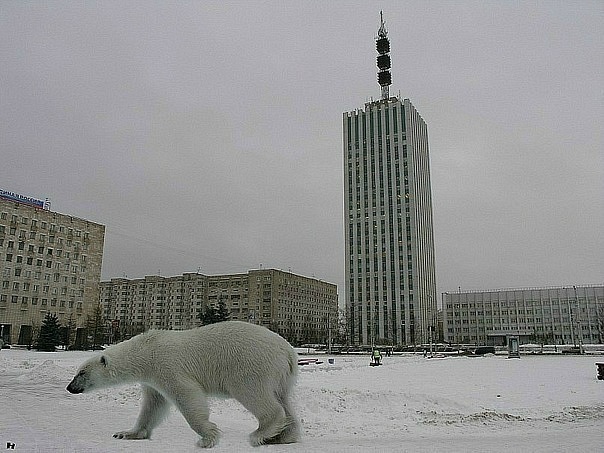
<point>98,372</point>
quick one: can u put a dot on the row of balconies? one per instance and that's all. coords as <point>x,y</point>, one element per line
<point>43,302</point>
<point>52,228</point>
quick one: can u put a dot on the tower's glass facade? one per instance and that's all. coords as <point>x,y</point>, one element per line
<point>390,272</point>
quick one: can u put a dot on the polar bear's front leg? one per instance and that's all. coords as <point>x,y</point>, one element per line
<point>153,410</point>
<point>192,403</point>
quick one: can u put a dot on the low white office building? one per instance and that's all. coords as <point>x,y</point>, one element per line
<point>559,315</point>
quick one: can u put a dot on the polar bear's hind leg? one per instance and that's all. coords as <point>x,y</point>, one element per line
<point>276,423</point>
<point>291,431</point>
<point>270,425</point>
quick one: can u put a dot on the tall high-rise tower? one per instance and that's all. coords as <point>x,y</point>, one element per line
<point>390,272</point>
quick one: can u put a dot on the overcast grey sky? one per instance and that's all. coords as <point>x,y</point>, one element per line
<point>209,134</point>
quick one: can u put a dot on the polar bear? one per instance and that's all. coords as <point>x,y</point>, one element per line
<point>233,359</point>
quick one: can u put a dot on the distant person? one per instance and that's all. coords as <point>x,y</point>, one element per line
<point>377,357</point>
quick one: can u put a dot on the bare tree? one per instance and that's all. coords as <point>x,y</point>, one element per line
<point>95,329</point>
<point>68,332</point>
<point>343,327</point>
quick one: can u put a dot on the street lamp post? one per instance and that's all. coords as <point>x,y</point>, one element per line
<point>579,331</point>
<point>431,325</point>
<point>329,333</point>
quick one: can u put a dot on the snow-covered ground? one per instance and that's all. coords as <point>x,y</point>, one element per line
<point>536,403</point>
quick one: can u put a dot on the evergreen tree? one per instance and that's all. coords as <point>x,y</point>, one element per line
<point>222,312</point>
<point>49,336</point>
<point>211,315</point>
<point>208,315</point>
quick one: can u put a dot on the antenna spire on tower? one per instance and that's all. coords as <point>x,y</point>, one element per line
<point>382,44</point>
<point>382,32</point>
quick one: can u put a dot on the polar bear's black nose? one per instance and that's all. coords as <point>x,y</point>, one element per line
<point>73,389</point>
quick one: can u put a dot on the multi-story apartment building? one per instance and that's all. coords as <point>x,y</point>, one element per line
<point>301,309</point>
<point>49,262</point>
<point>560,315</point>
<point>390,271</point>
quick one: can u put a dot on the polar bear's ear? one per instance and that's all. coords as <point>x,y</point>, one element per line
<point>103,361</point>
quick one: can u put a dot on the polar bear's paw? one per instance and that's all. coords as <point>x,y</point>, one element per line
<point>210,437</point>
<point>208,441</point>
<point>140,434</point>
<point>289,435</point>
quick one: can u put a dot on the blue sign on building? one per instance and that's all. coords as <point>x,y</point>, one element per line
<point>12,196</point>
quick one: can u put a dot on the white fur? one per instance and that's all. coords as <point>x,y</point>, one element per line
<point>235,359</point>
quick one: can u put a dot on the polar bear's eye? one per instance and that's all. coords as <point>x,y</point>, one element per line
<point>81,373</point>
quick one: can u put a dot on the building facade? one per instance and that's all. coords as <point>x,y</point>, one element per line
<point>301,309</point>
<point>560,315</point>
<point>49,263</point>
<point>390,271</point>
